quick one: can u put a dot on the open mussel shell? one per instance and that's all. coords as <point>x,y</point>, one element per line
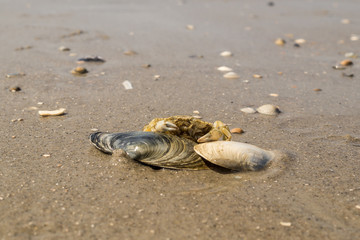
<point>235,155</point>
<point>154,149</point>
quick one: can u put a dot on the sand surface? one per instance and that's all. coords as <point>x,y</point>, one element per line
<point>80,193</point>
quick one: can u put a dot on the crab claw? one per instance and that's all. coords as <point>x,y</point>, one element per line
<point>163,126</point>
<point>220,131</point>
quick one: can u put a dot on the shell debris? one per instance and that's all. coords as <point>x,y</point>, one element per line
<point>357,206</point>
<point>346,62</point>
<point>58,112</point>
<point>224,69</point>
<point>237,130</point>
<point>15,89</point>
<point>79,71</point>
<point>231,75</point>
<point>300,41</point>
<point>273,95</point>
<point>280,42</point>
<point>248,110</point>
<point>226,54</point>
<point>285,224</point>
<point>190,27</point>
<point>257,76</point>
<point>130,53</point>
<point>345,21</point>
<point>11,75</point>
<point>127,85</point>
<point>64,49</point>
<point>268,109</point>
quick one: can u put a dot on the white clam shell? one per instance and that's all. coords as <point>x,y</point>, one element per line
<point>268,109</point>
<point>226,54</point>
<point>235,155</point>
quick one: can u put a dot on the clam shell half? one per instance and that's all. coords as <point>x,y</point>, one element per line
<point>235,155</point>
<point>151,148</point>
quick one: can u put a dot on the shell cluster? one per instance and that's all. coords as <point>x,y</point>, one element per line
<point>177,149</point>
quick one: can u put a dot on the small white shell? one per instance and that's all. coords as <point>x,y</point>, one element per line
<point>127,85</point>
<point>224,69</point>
<point>234,155</point>
<point>226,54</point>
<point>248,110</point>
<point>268,109</point>
<point>57,112</point>
<point>231,75</point>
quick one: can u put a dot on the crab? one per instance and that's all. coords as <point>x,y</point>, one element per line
<point>191,128</point>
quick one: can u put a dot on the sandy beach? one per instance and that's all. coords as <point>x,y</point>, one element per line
<point>55,185</point>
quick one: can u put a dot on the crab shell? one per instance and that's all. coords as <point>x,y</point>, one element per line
<point>187,127</point>
<point>235,155</point>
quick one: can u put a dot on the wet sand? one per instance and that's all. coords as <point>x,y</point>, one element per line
<point>81,193</point>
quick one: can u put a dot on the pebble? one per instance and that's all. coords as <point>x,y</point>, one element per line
<point>280,42</point>
<point>346,62</point>
<point>268,109</point>
<point>296,45</point>
<point>79,71</point>
<point>57,112</point>
<point>130,53</point>
<point>127,85</point>
<point>226,54</point>
<point>237,130</point>
<point>91,59</point>
<point>231,75</point>
<point>257,76</point>
<point>273,95</point>
<point>248,110</point>
<point>64,49</point>
<point>224,69</point>
<point>285,224</point>
<point>11,75</point>
<point>15,89</point>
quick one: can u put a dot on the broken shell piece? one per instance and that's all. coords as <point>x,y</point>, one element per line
<point>300,41</point>
<point>337,67</point>
<point>196,112</point>
<point>237,130</point>
<point>146,65</point>
<point>231,75</point>
<point>350,55</point>
<point>226,54</point>
<point>345,21</point>
<point>348,75</point>
<point>190,27</point>
<point>248,110</point>
<point>11,75</point>
<point>354,37</point>
<point>46,155</point>
<point>97,59</point>
<point>15,89</point>
<point>79,71</point>
<point>257,76</point>
<point>57,112</point>
<point>64,49</point>
<point>130,53</point>
<point>224,69</point>
<point>317,90</point>
<point>268,109</point>
<point>127,85</point>
<point>280,42</point>
<point>273,95</point>
<point>235,155</point>
<point>285,224</point>
<point>346,62</point>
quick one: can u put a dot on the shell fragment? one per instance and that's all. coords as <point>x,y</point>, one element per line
<point>224,69</point>
<point>248,110</point>
<point>226,54</point>
<point>58,112</point>
<point>231,75</point>
<point>127,85</point>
